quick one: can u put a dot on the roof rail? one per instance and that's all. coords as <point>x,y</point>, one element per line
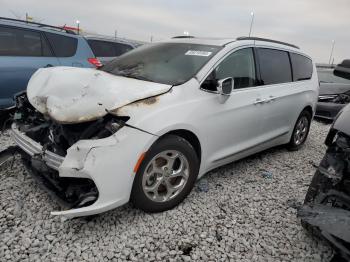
<point>112,38</point>
<point>183,36</point>
<point>266,40</point>
<point>38,24</point>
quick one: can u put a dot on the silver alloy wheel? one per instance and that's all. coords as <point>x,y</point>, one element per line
<point>165,176</point>
<point>301,130</point>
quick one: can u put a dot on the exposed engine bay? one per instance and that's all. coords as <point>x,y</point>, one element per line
<point>57,137</point>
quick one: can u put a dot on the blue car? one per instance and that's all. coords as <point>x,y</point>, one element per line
<point>26,47</point>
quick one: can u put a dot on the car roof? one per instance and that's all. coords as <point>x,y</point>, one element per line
<point>37,26</point>
<point>113,39</point>
<point>227,41</point>
<point>240,41</point>
<point>201,40</point>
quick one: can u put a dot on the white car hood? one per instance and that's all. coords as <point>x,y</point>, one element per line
<point>74,95</point>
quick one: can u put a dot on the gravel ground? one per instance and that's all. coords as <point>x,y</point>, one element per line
<point>247,214</point>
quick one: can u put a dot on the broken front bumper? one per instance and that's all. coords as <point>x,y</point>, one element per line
<point>108,162</point>
<point>33,148</point>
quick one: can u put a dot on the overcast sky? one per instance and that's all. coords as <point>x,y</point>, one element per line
<point>310,24</point>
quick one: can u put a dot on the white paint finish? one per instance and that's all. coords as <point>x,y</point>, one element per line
<point>73,95</point>
<point>109,163</point>
<point>228,129</point>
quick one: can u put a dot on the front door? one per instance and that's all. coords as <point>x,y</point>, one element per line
<point>234,125</point>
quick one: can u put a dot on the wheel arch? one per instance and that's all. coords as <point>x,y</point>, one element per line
<point>308,109</point>
<point>188,136</point>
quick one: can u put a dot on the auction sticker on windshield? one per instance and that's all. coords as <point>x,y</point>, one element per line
<point>198,53</point>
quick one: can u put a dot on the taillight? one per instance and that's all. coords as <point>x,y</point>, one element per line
<point>95,62</point>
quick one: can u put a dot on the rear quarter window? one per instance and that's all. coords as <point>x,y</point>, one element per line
<point>121,48</point>
<point>63,46</point>
<point>102,48</point>
<point>108,49</point>
<point>274,66</point>
<point>302,67</point>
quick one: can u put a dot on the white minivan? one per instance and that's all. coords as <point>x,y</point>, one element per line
<point>145,126</point>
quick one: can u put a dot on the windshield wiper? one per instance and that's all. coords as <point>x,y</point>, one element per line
<point>138,77</point>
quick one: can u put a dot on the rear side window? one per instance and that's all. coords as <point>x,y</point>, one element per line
<point>102,48</point>
<point>274,66</point>
<point>121,48</point>
<point>302,67</point>
<point>19,42</point>
<point>63,46</point>
<point>108,49</point>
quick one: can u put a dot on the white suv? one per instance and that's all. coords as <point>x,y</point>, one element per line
<point>146,126</point>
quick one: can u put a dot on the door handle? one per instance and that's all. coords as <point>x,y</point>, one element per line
<point>259,101</point>
<point>270,99</point>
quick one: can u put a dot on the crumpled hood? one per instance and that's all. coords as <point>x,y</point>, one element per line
<point>74,95</point>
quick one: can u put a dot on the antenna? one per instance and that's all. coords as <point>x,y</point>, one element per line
<point>251,23</point>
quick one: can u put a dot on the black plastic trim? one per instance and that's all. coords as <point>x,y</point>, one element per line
<point>38,24</point>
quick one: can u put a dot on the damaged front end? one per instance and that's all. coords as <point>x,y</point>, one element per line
<point>43,144</point>
<point>326,208</point>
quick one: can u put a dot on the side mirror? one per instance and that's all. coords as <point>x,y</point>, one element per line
<point>225,86</point>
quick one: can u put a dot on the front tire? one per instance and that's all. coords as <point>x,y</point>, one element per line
<point>300,131</point>
<point>166,175</point>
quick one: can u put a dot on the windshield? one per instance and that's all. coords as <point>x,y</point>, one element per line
<point>166,63</point>
<point>327,76</point>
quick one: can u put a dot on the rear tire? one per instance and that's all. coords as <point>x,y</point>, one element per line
<point>166,175</point>
<point>300,131</point>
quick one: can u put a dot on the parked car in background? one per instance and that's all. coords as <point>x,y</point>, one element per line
<point>27,46</point>
<point>107,48</point>
<point>334,92</point>
<point>146,125</point>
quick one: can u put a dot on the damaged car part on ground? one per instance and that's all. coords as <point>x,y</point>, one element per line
<point>142,127</point>
<point>326,209</point>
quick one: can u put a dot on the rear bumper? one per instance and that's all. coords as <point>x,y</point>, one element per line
<point>329,111</point>
<point>108,162</point>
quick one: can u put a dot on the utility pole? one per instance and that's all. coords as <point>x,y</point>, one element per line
<point>78,26</point>
<point>251,23</point>
<point>330,57</point>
